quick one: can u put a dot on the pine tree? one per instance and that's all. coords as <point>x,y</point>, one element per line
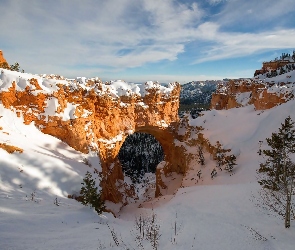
<point>89,194</point>
<point>277,173</point>
<point>15,67</point>
<point>220,156</point>
<point>201,159</point>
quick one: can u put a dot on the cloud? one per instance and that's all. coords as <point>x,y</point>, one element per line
<point>214,2</point>
<point>94,37</point>
<point>254,14</point>
<point>93,33</point>
<point>234,44</point>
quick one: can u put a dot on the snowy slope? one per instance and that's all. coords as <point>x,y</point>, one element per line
<point>209,214</point>
<point>286,77</point>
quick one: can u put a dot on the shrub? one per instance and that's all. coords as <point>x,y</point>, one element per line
<point>90,195</point>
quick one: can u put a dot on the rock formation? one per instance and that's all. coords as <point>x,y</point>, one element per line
<point>272,65</point>
<point>238,93</point>
<point>2,59</point>
<point>92,116</point>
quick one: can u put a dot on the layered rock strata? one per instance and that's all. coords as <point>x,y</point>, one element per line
<point>239,93</point>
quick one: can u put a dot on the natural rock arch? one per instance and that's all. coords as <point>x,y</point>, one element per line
<point>113,176</point>
<point>98,117</point>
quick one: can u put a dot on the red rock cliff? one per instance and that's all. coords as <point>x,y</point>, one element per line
<point>239,93</point>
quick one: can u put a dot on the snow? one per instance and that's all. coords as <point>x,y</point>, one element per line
<point>69,112</point>
<point>51,106</point>
<point>243,98</point>
<point>286,77</point>
<point>210,214</point>
<point>116,88</point>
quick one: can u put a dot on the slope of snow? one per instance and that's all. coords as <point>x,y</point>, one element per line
<point>210,214</point>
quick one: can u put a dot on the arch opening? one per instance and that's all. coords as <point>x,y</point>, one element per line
<point>139,155</point>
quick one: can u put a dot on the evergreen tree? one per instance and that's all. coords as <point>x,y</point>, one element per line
<point>220,155</point>
<point>201,159</point>
<point>89,194</point>
<point>15,67</point>
<point>277,172</point>
<point>282,144</point>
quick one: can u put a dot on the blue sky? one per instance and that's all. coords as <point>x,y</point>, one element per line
<point>140,40</point>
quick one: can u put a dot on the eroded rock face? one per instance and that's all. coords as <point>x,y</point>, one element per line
<point>246,92</point>
<point>98,117</point>
<point>2,59</point>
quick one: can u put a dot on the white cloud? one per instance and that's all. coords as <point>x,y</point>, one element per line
<point>253,12</point>
<point>72,37</point>
<point>214,2</point>
<point>96,32</point>
<point>234,44</point>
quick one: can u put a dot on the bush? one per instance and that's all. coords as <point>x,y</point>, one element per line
<point>90,195</point>
<point>14,67</point>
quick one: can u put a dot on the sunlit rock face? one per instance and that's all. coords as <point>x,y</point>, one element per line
<point>239,93</point>
<point>2,59</point>
<point>93,116</point>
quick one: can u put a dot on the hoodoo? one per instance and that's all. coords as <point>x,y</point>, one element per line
<point>2,59</point>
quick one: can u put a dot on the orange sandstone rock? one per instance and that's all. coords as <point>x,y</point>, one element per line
<point>258,94</point>
<point>10,149</point>
<point>2,59</point>
<point>95,120</point>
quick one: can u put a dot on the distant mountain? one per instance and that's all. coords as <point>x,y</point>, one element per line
<point>196,96</point>
<point>198,92</point>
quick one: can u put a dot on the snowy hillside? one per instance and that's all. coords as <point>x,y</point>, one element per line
<point>288,76</point>
<point>203,214</point>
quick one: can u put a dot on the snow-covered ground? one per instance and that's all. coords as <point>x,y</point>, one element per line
<point>210,214</point>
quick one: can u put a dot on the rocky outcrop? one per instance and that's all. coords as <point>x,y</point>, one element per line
<point>2,59</point>
<point>239,93</point>
<point>93,116</point>
<point>10,149</point>
<point>272,65</point>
